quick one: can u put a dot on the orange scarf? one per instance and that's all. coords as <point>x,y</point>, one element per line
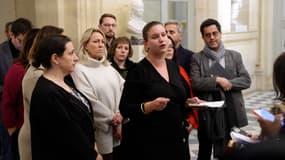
<point>192,116</point>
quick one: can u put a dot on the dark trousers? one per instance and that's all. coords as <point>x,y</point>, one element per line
<point>14,146</point>
<point>5,144</point>
<point>206,143</point>
<point>185,140</point>
<point>115,155</point>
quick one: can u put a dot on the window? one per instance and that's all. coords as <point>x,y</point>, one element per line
<point>239,15</point>
<point>173,10</point>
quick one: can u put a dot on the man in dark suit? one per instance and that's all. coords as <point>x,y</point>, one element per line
<point>174,30</point>
<point>218,74</point>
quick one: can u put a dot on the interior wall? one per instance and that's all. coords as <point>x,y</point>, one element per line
<point>122,11</point>
<point>7,13</point>
<point>12,9</point>
<point>266,43</point>
<point>279,28</point>
<point>204,9</point>
<point>26,9</point>
<point>75,16</point>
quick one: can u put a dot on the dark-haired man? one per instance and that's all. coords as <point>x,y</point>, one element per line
<point>218,74</point>
<point>7,31</point>
<point>108,24</point>
<point>10,50</point>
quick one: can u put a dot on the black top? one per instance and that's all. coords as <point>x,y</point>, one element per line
<point>184,58</point>
<point>272,149</point>
<point>159,134</point>
<point>15,52</point>
<point>61,125</point>
<point>123,72</point>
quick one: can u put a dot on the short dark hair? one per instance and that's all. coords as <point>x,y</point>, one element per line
<point>21,26</point>
<point>116,42</point>
<point>278,76</point>
<point>148,26</point>
<point>106,15</point>
<point>8,26</point>
<point>47,47</point>
<point>27,44</point>
<point>209,22</point>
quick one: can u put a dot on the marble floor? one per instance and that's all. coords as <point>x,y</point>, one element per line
<point>252,101</point>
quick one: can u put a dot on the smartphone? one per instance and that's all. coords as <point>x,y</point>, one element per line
<point>264,114</point>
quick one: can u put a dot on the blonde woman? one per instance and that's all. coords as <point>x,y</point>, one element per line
<point>102,84</point>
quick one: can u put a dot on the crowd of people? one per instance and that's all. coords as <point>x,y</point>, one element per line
<point>99,104</point>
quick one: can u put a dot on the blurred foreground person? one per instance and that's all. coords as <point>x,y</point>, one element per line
<point>272,133</point>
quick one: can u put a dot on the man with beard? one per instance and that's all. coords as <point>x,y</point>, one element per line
<point>108,24</point>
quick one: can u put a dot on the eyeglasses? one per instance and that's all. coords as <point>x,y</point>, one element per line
<point>209,35</point>
<point>109,25</point>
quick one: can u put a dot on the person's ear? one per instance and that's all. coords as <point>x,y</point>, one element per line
<point>85,48</point>
<point>11,34</point>
<point>180,37</point>
<point>54,59</point>
<point>146,48</point>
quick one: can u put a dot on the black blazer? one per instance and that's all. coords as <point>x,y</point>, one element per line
<point>159,134</point>
<point>184,58</point>
<point>61,125</point>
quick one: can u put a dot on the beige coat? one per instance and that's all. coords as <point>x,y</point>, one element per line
<point>29,81</point>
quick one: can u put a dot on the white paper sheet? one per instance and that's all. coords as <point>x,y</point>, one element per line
<point>212,104</point>
<point>242,138</point>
